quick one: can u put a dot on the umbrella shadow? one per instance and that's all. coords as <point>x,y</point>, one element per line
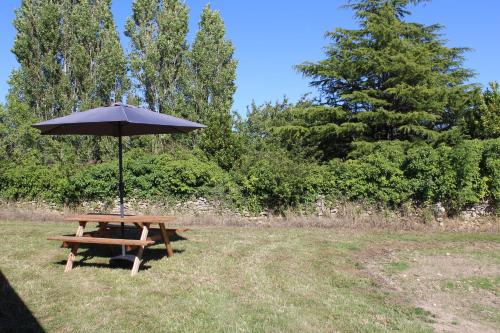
<point>15,316</point>
<point>91,251</point>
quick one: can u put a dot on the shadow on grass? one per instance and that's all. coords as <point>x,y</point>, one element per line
<point>14,314</point>
<point>90,251</point>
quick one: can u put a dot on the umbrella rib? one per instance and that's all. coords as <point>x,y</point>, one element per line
<point>124,113</point>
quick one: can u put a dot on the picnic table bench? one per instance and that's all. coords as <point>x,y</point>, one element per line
<point>106,226</point>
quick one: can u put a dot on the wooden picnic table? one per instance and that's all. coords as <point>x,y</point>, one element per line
<point>106,227</point>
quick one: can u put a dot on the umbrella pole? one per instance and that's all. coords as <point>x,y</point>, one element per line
<point>120,184</point>
<point>123,258</point>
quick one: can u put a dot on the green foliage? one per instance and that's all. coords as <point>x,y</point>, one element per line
<point>70,55</point>
<point>375,174</point>
<point>431,174</point>
<point>391,173</point>
<point>197,84</point>
<point>31,180</point>
<point>490,120</point>
<point>392,78</point>
<point>374,179</point>
<point>259,127</point>
<point>37,44</point>
<point>491,169</point>
<point>272,179</point>
<point>154,177</point>
<point>213,71</point>
<point>396,124</point>
<point>157,32</point>
<point>70,60</point>
<point>470,184</point>
<point>482,119</point>
<point>311,129</point>
<point>385,173</point>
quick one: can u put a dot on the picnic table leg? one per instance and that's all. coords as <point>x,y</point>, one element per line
<point>138,257</point>
<point>166,240</point>
<point>74,248</point>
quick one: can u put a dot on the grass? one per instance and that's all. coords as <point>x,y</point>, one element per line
<point>222,279</point>
<point>398,266</point>
<point>489,313</point>
<point>491,284</point>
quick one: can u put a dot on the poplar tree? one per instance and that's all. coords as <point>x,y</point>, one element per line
<point>70,60</point>
<point>70,56</point>
<point>390,79</point>
<point>157,32</point>
<point>40,80</point>
<point>93,56</point>
<point>213,71</point>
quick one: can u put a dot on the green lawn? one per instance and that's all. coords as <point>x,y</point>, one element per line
<point>235,280</point>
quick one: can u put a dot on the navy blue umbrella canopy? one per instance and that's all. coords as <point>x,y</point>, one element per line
<point>116,120</point>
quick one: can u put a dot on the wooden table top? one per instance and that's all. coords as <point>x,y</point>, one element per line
<point>116,218</point>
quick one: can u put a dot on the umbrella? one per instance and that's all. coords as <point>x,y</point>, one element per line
<point>117,120</point>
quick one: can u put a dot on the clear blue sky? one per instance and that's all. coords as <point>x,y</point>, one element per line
<point>271,36</point>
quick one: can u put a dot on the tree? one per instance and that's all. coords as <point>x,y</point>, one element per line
<point>41,80</point>
<point>96,63</point>
<point>157,31</point>
<point>319,131</point>
<point>70,59</point>
<point>70,56</point>
<point>393,79</point>
<point>211,92</point>
<point>482,119</point>
<point>262,120</point>
<point>491,116</point>
<point>304,128</point>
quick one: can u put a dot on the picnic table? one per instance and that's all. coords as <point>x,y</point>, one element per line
<point>107,225</point>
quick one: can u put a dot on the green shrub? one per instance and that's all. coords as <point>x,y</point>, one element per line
<point>96,182</point>
<point>385,173</point>
<point>471,186</point>
<point>273,180</point>
<point>149,176</point>
<point>31,181</point>
<point>393,151</point>
<point>491,169</point>
<point>430,172</point>
<point>373,178</point>
<point>184,177</point>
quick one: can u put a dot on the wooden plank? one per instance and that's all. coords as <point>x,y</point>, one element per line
<point>98,240</point>
<point>138,257</point>
<point>166,240</point>
<point>116,218</point>
<point>151,228</point>
<point>74,248</point>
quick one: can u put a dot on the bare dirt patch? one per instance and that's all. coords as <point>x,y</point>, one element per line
<point>460,289</point>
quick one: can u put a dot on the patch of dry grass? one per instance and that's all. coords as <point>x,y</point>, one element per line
<point>348,216</point>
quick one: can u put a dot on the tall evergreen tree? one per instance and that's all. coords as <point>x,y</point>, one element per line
<point>157,31</point>
<point>389,79</point>
<point>212,88</point>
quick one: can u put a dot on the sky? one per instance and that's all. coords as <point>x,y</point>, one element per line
<point>272,36</point>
